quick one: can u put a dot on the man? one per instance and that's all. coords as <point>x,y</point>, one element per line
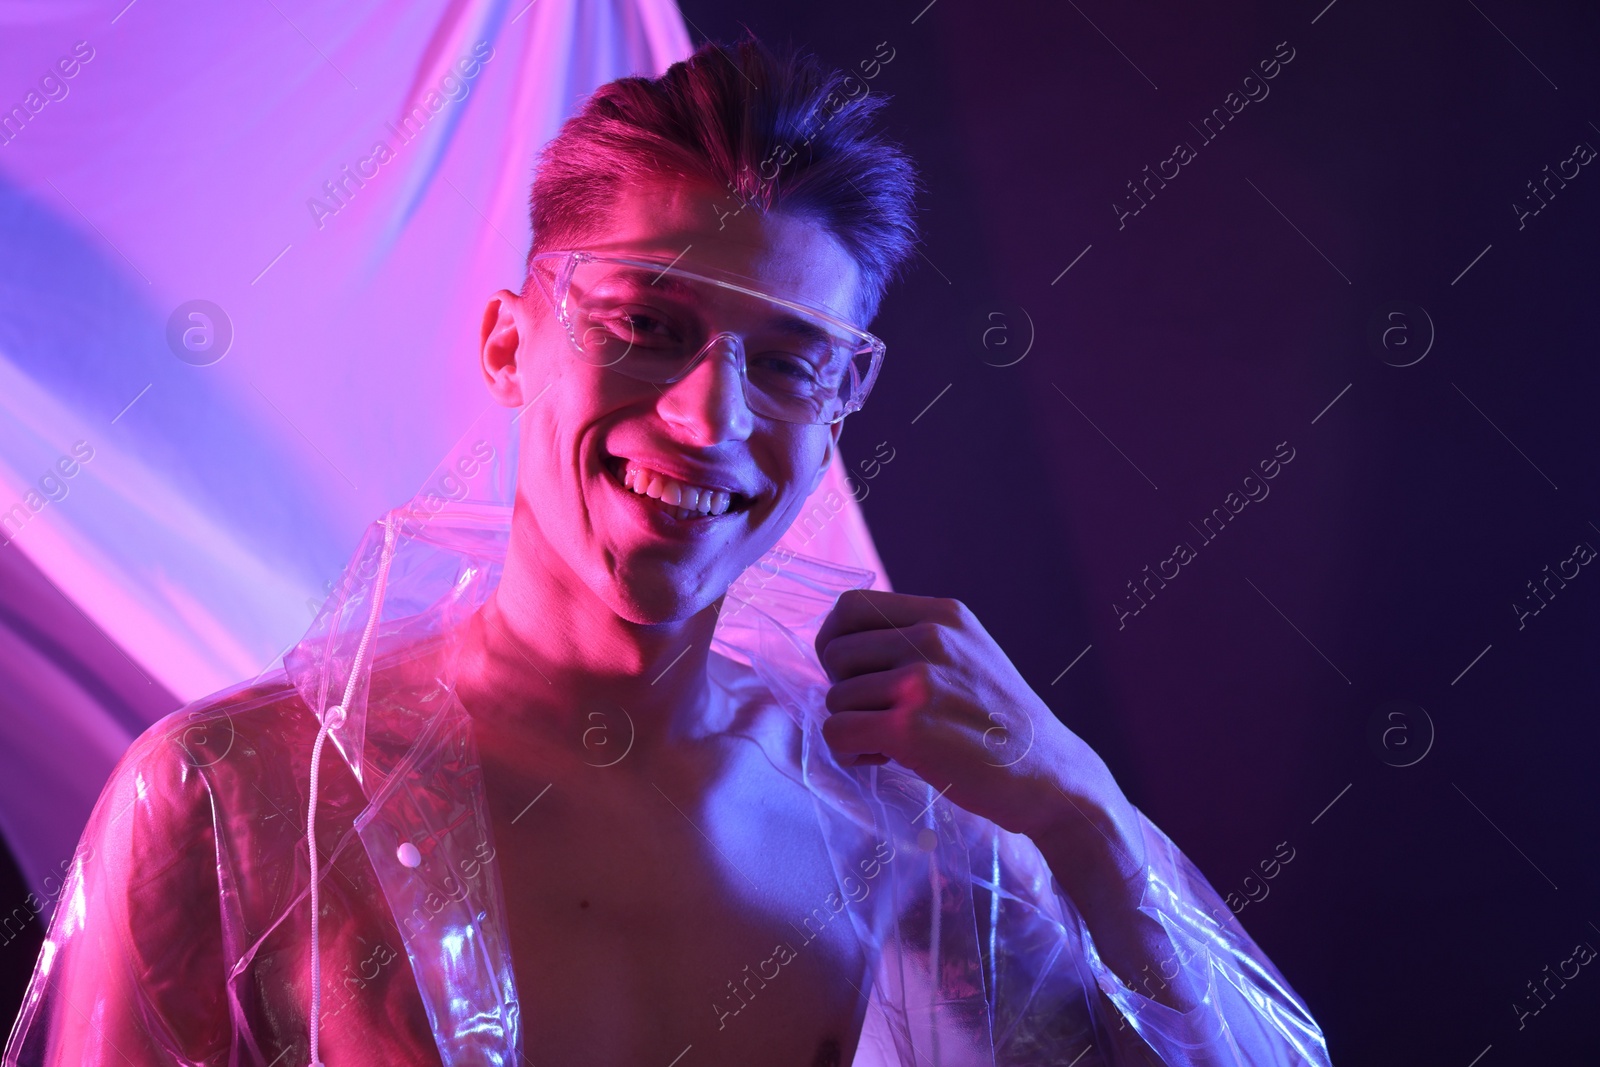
<point>770,861</point>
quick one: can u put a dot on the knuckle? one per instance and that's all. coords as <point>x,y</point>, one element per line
<point>949,610</point>
<point>932,638</point>
<point>916,684</point>
<point>904,723</point>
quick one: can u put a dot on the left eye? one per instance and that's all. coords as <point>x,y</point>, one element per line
<point>790,366</point>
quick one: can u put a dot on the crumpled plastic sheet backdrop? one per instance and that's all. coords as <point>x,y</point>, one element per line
<point>183,492</point>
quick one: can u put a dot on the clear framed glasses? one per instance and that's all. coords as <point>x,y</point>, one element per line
<point>649,320</point>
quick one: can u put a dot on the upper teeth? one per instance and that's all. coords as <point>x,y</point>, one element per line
<point>681,495</point>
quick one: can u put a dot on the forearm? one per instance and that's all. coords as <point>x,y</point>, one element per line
<point>1097,856</point>
<point>1176,974</point>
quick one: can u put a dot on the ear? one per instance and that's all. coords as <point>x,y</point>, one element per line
<point>827,457</point>
<point>499,344</point>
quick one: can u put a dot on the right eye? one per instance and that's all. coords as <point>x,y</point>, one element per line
<point>638,326</point>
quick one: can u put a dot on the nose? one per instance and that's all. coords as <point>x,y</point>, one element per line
<point>708,403</point>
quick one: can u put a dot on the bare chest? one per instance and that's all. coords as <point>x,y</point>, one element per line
<point>653,916</point>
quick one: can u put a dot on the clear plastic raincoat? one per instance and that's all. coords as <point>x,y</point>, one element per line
<point>184,932</point>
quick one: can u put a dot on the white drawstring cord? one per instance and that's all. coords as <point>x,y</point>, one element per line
<point>332,719</point>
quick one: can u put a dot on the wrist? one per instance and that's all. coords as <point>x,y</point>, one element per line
<point>1094,844</point>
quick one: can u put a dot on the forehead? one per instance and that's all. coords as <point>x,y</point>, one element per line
<point>694,224</point>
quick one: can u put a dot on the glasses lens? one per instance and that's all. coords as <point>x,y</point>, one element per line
<point>650,323</point>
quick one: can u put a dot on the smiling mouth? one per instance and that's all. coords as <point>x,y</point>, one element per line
<point>679,499</point>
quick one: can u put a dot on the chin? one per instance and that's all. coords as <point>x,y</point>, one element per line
<point>656,599</point>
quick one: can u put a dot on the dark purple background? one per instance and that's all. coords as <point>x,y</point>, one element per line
<point>1197,338</point>
<point>1240,702</point>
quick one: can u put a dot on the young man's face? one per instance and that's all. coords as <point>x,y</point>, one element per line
<point>589,425</point>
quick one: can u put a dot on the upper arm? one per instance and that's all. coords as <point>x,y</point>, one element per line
<point>132,969</point>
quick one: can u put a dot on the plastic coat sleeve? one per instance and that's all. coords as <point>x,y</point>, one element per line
<point>1248,1015</point>
<point>132,969</point>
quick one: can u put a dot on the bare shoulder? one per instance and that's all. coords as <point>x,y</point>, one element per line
<point>214,781</point>
<point>241,754</point>
<point>146,930</point>
<point>217,789</point>
<point>166,766</point>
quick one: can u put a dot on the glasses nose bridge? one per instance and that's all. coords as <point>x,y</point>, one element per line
<point>733,410</point>
<point>730,335</point>
<point>713,342</point>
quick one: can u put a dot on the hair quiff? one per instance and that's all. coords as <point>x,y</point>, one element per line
<point>774,128</point>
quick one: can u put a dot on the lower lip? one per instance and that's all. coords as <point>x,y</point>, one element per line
<point>654,513</point>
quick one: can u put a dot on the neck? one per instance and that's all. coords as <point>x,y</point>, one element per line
<point>544,655</point>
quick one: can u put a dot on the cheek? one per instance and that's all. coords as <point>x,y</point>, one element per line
<point>797,465</point>
<point>563,438</point>
<point>815,453</point>
<point>549,447</point>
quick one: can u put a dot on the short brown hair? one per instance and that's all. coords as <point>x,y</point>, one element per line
<point>775,128</point>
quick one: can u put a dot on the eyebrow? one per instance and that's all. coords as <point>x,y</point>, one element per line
<point>806,331</point>
<point>655,279</point>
